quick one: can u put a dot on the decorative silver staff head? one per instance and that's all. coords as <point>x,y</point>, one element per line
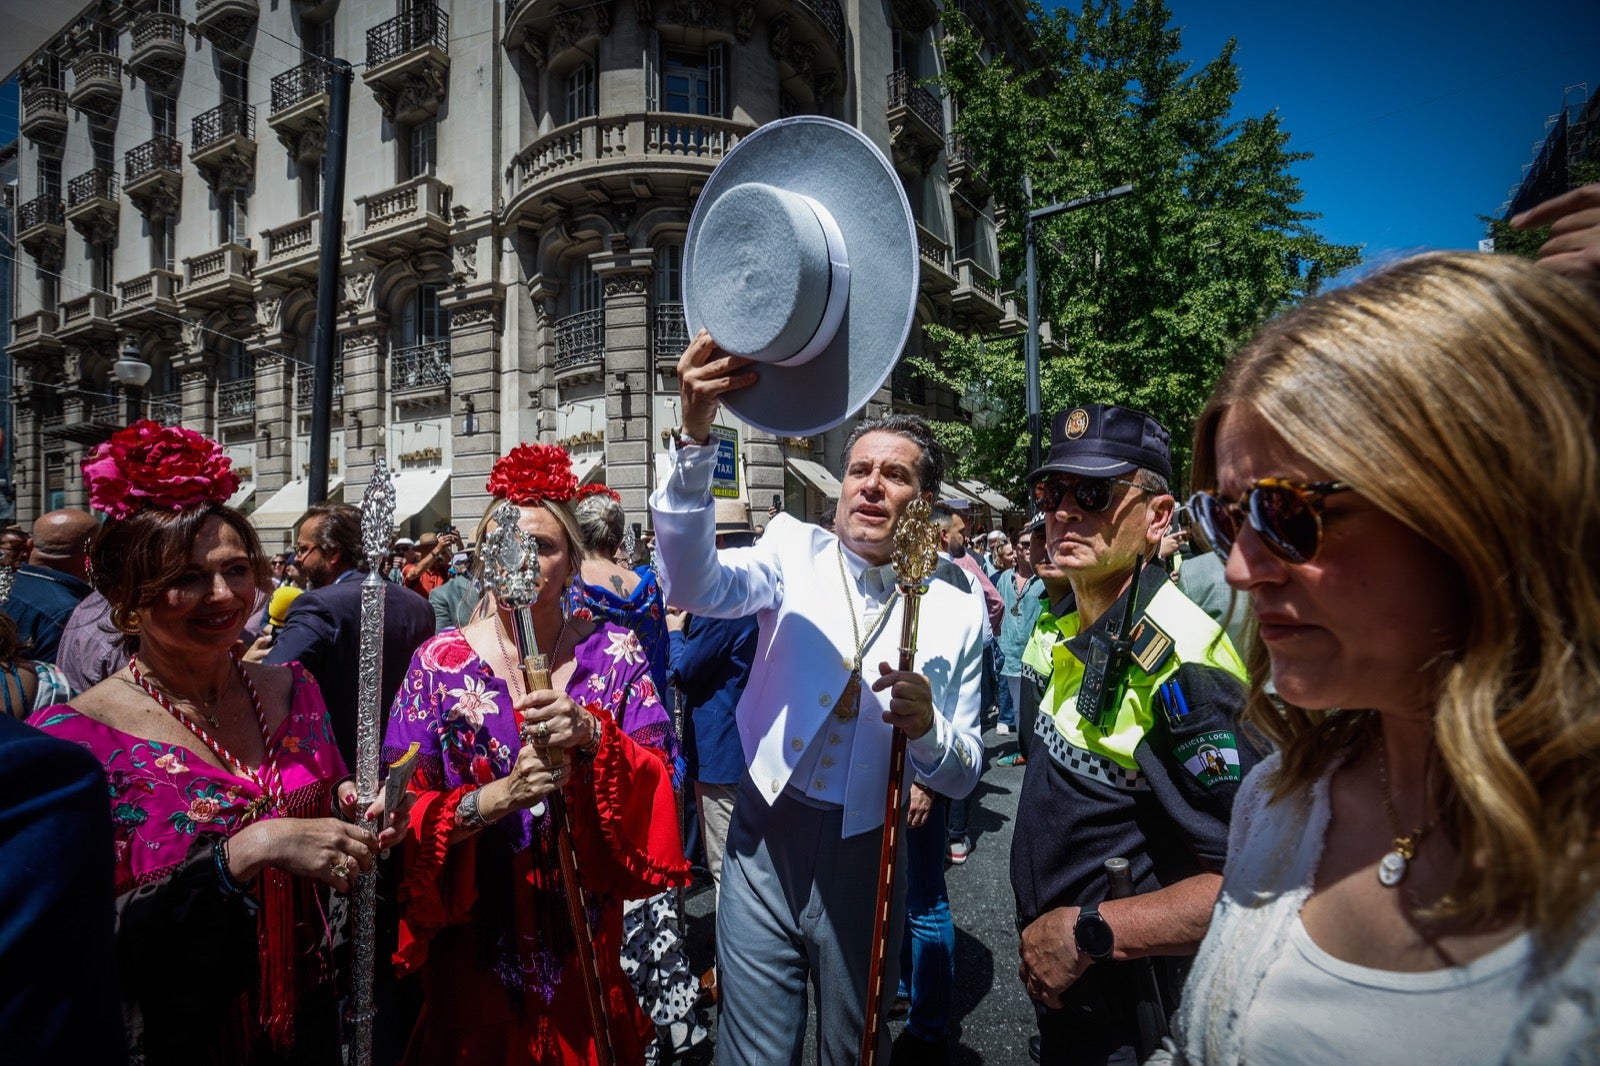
<point>916,548</point>
<point>377,515</point>
<point>8,577</point>
<point>511,559</point>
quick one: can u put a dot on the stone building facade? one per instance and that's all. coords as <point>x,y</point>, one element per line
<point>520,176</point>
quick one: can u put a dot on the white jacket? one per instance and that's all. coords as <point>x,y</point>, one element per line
<point>790,581</point>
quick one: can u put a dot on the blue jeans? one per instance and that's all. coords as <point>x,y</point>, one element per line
<point>1002,699</point>
<point>928,948</point>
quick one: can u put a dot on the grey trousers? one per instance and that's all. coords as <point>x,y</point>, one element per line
<point>715,804</point>
<point>797,903</point>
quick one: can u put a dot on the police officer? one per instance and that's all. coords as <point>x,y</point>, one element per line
<point>1136,753</point>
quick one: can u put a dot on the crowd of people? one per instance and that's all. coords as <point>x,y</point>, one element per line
<point>1305,758</point>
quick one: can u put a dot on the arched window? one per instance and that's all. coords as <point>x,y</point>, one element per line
<point>670,335</point>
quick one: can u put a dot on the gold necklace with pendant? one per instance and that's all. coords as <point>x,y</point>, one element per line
<point>849,703</point>
<point>1403,848</point>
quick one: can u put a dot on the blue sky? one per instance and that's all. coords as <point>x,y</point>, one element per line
<point>1420,115</point>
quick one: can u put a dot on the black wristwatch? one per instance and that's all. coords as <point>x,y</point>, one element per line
<point>1093,934</point>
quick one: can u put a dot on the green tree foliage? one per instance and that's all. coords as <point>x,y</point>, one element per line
<point>1148,294</point>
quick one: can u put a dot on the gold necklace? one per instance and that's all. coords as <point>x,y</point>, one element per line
<point>1392,867</point>
<point>204,708</point>
<point>848,704</point>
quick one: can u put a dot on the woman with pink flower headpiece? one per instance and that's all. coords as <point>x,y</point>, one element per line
<point>231,819</point>
<point>483,913</point>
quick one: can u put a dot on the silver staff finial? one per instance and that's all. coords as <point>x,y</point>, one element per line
<point>511,559</point>
<point>377,514</point>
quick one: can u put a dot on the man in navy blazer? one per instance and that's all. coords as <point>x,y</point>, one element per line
<point>58,985</point>
<point>323,629</point>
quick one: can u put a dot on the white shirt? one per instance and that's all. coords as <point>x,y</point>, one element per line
<point>1315,1010</point>
<point>790,581</point>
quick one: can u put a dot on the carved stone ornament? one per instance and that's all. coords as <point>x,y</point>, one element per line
<point>233,173</point>
<point>602,19</point>
<point>700,13</point>
<point>473,316</point>
<point>744,20</point>
<point>48,253</point>
<point>533,46</point>
<point>644,11</point>
<point>782,28</point>
<point>569,27</point>
<point>417,94</point>
<point>194,337</point>
<point>357,290</point>
<point>269,310</point>
<point>464,262</point>
<point>361,338</point>
<point>802,56</point>
<point>632,284</point>
<point>827,83</point>
<point>195,376</point>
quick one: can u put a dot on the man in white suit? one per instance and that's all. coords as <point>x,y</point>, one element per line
<point>815,719</point>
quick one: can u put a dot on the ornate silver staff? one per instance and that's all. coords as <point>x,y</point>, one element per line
<point>511,569</point>
<point>916,555</point>
<point>377,525</point>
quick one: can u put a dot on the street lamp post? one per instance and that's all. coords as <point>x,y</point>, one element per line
<point>133,373</point>
<point>1031,355</point>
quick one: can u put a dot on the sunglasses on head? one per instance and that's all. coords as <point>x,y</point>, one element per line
<point>1287,515</point>
<point>1093,494</point>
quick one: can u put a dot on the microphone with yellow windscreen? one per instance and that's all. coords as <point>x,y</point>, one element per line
<point>278,606</point>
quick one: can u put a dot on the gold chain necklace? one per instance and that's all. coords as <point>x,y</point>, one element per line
<point>1392,867</point>
<point>849,703</point>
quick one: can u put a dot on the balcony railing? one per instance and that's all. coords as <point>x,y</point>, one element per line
<point>167,407</point>
<point>296,238</point>
<point>420,27</point>
<point>831,15</point>
<point>94,185</point>
<point>236,399</point>
<point>934,252</point>
<point>671,334</point>
<point>47,210</point>
<point>905,92</point>
<point>650,138</point>
<point>96,66</point>
<point>303,383</point>
<point>298,84</point>
<point>158,27</point>
<point>580,339</point>
<point>230,118</point>
<point>41,102</point>
<point>420,366</point>
<point>158,153</point>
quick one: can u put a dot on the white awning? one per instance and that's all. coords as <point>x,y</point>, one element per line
<point>242,495</point>
<point>414,490</point>
<point>284,508</point>
<point>814,474</point>
<point>584,466</point>
<point>958,498</point>
<point>987,495</point>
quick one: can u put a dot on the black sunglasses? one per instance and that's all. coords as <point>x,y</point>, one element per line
<point>1093,494</point>
<point>1286,514</point>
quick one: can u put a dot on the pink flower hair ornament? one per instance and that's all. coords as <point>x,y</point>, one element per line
<point>165,467</point>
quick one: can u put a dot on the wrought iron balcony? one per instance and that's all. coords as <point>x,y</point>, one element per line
<point>424,26</point>
<point>152,175</point>
<point>44,114</point>
<point>158,48</point>
<point>963,172</point>
<point>92,204</point>
<point>421,366</point>
<point>236,399</point>
<point>671,334</point>
<point>303,383</point>
<point>916,123</point>
<point>408,63</point>
<point>224,144</point>
<point>42,230</point>
<point>581,341</point>
<point>96,82</point>
<point>831,15</point>
<point>300,108</point>
<point>167,407</point>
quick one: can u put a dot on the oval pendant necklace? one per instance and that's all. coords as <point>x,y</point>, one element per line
<point>1403,848</point>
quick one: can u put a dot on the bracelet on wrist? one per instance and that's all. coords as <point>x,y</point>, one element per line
<point>225,881</point>
<point>596,729</point>
<point>681,435</point>
<point>467,814</point>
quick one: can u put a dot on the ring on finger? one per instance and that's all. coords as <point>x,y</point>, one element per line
<point>557,773</point>
<point>541,733</point>
<point>340,868</point>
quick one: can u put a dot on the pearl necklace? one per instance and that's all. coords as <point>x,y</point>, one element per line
<point>270,783</point>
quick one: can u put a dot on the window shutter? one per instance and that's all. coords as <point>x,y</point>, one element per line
<point>652,70</point>
<point>717,75</point>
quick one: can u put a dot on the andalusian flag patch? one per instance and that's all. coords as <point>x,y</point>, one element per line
<point>1212,758</point>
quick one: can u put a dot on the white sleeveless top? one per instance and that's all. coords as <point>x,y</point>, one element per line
<point>1313,1009</point>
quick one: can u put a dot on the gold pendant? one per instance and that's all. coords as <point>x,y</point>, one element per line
<point>849,704</point>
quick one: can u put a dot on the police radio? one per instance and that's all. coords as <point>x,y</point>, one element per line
<point>1109,656</point>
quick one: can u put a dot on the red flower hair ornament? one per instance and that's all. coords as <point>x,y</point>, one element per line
<point>530,473</point>
<point>585,491</point>
<point>151,465</point>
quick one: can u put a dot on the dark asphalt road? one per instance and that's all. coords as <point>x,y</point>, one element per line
<point>991,1015</point>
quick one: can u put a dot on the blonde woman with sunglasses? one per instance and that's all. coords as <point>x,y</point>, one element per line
<point>1403,475</point>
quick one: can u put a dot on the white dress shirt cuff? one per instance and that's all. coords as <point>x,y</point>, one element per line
<point>927,751</point>
<point>688,488</point>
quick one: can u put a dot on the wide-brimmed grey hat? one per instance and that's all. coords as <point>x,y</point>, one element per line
<point>802,255</point>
